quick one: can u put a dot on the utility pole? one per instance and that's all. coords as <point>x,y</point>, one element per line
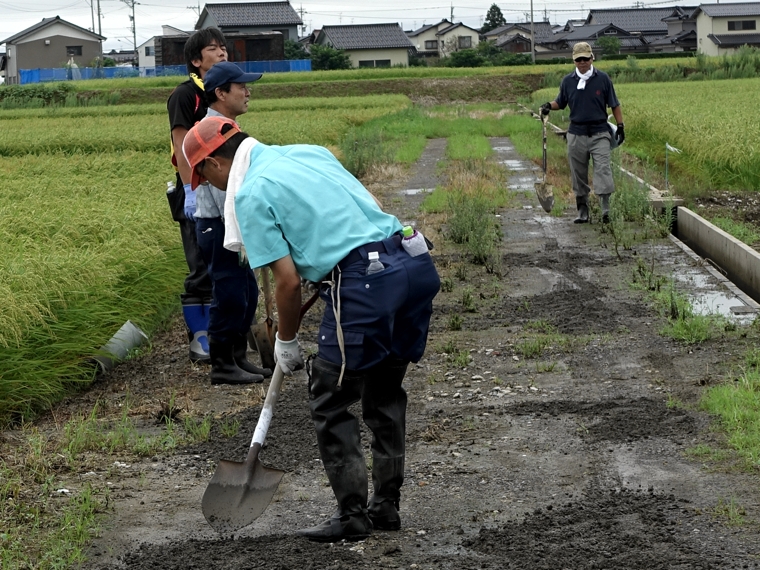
<point>196,9</point>
<point>131,4</point>
<point>452,12</point>
<point>532,36</point>
<point>92,11</point>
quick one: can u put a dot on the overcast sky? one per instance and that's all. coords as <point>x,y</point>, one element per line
<point>150,15</point>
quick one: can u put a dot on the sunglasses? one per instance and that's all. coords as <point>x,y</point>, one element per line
<point>582,59</point>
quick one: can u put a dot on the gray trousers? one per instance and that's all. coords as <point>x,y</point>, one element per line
<point>580,149</point>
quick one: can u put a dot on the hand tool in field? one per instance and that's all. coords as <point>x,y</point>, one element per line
<point>263,333</point>
<point>544,191</point>
<point>239,492</point>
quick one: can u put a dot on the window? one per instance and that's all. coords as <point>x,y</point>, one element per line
<point>610,32</point>
<point>367,63</point>
<point>431,44</point>
<point>738,25</point>
<point>465,42</point>
<point>149,51</point>
<point>375,63</point>
<point>73,50</point>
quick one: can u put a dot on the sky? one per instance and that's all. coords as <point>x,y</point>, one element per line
<point>150,15</point>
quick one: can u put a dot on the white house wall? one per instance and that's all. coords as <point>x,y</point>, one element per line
<point>397,56</point>
<point>457,33</point>
<point>719,26</point>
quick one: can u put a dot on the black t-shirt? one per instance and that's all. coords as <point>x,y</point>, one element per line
<point>186,105</point>
<point>588,107</point>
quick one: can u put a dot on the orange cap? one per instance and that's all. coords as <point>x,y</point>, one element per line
<point>203,139</point>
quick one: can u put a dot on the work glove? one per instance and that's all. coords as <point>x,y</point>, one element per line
<point>546,108</point>
<point>620,134</point>
<point>287,354</point>
<point>190,203</point>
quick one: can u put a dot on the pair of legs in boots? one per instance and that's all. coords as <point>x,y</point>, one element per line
<point>581,149</point>
<point>232,310</point>
<point>384,411</point>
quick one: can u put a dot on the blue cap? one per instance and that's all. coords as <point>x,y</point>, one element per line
<point>226,72</point>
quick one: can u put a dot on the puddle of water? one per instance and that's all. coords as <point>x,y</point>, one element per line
<point>414,191</point>
<point>711,299</point>
<point>499,149</point>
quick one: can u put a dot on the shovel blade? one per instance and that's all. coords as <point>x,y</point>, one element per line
<point>545,194</point>
<point>263,336</point>
<point>238,494</point>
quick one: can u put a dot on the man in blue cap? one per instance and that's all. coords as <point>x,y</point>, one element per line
<point>234,289</point>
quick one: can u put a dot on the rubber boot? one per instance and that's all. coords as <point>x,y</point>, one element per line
<point>239,350</point>
<point>605,200</point>
<point>339,442</point>
<point>196,320</point>
<point>384,412</point>
<point>223,367</point>
<point>582,204</point>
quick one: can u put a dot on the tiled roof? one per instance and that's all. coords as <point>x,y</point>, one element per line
<point>543,31</point>
<point>367,36</point>
<point>735,9</point>
<point>674,39</point>
<point>734,40</point>
<point>425,28</point>
<point>446,30</point>
<point>633,19</point>
<point>584,33</point>
<point>253,14</point>
<point>45,23</point>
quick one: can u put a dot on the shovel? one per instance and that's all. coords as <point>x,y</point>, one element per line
<point>544,191</point>
<point>239,492</point>
<point>263,333</point>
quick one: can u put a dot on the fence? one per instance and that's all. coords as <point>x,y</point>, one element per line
<point>76,73</point>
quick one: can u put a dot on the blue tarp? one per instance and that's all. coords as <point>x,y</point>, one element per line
<point>66,74</point>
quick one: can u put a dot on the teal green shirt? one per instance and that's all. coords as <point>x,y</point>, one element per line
<point>298,200</point>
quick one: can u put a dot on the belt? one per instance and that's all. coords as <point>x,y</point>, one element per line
<point>388,245</point>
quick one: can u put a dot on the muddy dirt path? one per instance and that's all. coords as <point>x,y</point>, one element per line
<point>571,459</point>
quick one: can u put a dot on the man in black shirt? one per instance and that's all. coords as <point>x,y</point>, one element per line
<point>186,106</point>
<point>589,92</point>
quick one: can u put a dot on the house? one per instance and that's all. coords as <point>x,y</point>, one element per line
<point>515,38</point>
<point>561,45</point>
<point>146,52</point>
<point>722,28</point>
<point>443,38</point>
<point>122,57</point>
<point>51,43</point>
<point>251,17</point>
<point>369,45</point>
<point>647,22</point>
<point>682,32</point>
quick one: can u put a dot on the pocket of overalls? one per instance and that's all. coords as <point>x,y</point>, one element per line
<point>329,349</point>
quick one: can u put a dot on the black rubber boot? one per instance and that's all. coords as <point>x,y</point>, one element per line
<point>340,448</point>
<point>605,201</point>
<point>239,351</point>
<point>582,204</point>
<point>384,411</point>
<point>223,367</point>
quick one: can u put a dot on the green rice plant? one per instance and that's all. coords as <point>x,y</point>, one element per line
<point>455,322</point>
<point>534,346</point>
<point>363,149</point>
<point>468,302</point>
<point>462,359</point>
<point>741,231</point>
<point>447,285</point>
<point>449,348</point>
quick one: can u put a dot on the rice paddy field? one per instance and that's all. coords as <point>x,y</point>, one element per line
<point>713,123</point>
<point>89,242</point>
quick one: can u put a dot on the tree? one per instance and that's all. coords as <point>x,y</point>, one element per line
<point>494,19</point>
<point>295,50</point>
<point>466,58</point>
<point>610,45</point>
<point>327,57</point>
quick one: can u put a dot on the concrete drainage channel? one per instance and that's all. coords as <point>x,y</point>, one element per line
<point>734,265</point>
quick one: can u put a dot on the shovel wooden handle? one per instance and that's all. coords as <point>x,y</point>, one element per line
<point>267,411</point>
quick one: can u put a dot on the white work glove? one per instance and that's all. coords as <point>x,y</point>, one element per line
<point>287,354</point>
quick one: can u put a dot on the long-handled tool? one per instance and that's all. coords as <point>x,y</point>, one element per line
<point>239,492</point>
<point>544,191</point>
<point>263,333</point>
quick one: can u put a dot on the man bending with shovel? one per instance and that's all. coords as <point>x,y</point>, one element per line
<point>589,92</point>
<point>301,213</point>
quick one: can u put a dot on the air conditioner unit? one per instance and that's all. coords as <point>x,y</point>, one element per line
<point>47,42</point>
